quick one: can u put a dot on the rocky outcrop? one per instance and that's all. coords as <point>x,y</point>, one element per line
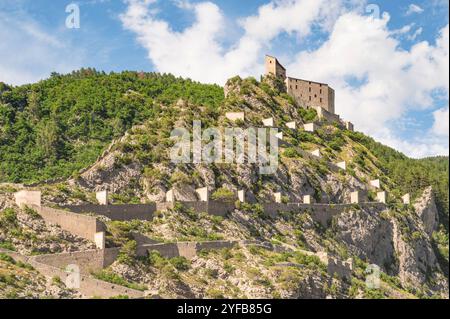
<point>383,242</point>
<point>426,209</point>
<point>368,236</point>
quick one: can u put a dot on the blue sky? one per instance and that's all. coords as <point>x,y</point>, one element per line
<point>390,71</point>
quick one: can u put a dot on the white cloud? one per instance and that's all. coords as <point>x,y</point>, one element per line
<point>393,81</point>
<point>417,148</point>
<point>441,119</point>
<point>28,53</point>
<point>197,51</point>
<point>414,8</point>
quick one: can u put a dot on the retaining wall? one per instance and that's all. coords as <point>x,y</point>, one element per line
<point>211,207</point>
<point>88,261</point>
<point>321,213</point>
<point>89,286</point>
<point>77,224</point>
<point>187,249</point>
<point>118,212</point>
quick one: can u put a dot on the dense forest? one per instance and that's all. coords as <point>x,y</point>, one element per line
<point>55,127</point>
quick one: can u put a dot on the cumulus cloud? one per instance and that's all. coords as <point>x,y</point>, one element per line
<point>197,51</point>
<point>440,126</point>
<point>414,8</point>
<point>377,82</point>
<point>391,81</point>
<point>28,53</point>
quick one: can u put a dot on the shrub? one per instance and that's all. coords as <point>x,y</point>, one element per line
<point>291,153</point>
<point>180,178</point>
<point>113,278</point>
<point>32,213</point>
<point>155,259</point>
<point>7,245</point>
<point>7,258</point>
<point>223,194</point>
<point>180,263</point>
<point>9,216</point>
<point>215,294</point>
<point>127,253</point>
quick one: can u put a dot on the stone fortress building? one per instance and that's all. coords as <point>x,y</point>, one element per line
<point>306,93</point>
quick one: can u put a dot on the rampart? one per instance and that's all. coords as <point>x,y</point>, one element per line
<point>77,224</point>
<point>321,213</point>
<point>211,207</point>
<point>117,212</point>
<point>89,286</point>
<point>88,261</point>
<point>326,116</point>
<point>190,249</point>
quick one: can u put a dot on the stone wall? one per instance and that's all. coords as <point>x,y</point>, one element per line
<point>326,116</point>
<point>191,249</point>
<point>212,207</point>
<point>26,197</point>
<point>89,286</point>
<point>337,266</point>
<point>321,213</point>
<point>273,67</point>
<point>187,249</point>
<point>220,208</point>
<point>88,261</point>
<point>77,224</point>
<point>311,94</point>
<point>118,212</point>
<point>235,116</point>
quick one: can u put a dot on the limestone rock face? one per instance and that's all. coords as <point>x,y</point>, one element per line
<point>413,257</point>
<point>230,87</point>
<point>368,236</point>
<point>410,256</point>
<point>107,175</point>
<point>426,209</point>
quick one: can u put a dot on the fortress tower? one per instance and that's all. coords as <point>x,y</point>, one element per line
<point>275,68</point>
<point>306,93</point>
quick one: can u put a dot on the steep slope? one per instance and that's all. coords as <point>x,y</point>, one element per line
<point>407,242</point>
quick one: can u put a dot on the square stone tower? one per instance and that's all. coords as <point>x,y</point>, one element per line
<point>274,67</point>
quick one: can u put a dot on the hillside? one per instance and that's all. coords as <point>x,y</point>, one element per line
<point>58,126</point>
<point>116,128</point>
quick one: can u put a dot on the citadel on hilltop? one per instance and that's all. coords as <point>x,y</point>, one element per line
<point>306,93</point>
